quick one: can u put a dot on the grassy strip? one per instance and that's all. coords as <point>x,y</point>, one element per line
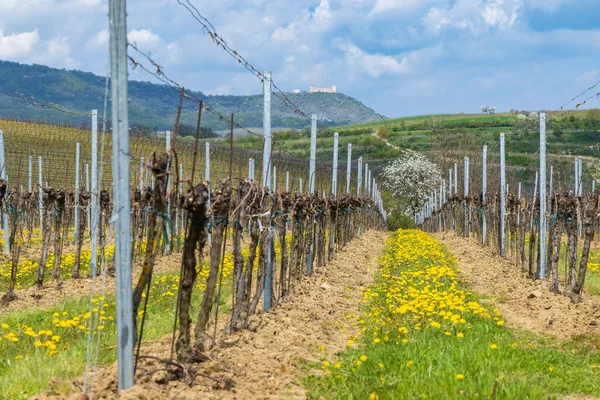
<point>423,334</point>
<point>37,345</point>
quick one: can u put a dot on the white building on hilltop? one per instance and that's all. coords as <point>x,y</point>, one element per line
<point>314,89</point>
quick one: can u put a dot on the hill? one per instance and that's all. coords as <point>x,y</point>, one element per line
<point>448,138</point>
<point>154,105</point>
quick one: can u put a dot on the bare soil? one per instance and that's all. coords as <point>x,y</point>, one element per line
<point>524,303</point>
<point>263,362</point>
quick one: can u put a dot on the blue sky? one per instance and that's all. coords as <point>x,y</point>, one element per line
<point>401,57</point>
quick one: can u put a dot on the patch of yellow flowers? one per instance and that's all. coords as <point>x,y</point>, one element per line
<point>416,289</point>
<point>27,268</point>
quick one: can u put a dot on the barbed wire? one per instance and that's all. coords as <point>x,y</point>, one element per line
<point>581,94</point>
<point>209,28</point>
<point>586,100</point>
<point>159,73</point>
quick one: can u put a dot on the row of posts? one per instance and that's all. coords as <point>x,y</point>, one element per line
<point>120,123</point>
<point>438,198</point>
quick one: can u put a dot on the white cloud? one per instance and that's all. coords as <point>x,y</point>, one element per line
<point>59,48</point>
<point>98,41</point>
<point>501,13</point>
<point>174,53</point>
<point>374,65</point>
<point>462,15</point>
<point>18,45</point>
<point>474,16</point>
<point>144,39</point>
<point>385,7</point>
<point>317,22</point>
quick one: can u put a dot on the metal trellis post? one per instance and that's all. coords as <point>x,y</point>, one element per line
<point>502,195</point>
<point>120,168</point>
<point>542,240</point>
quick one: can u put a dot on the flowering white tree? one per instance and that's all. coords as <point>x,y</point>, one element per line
<point>412,178</point>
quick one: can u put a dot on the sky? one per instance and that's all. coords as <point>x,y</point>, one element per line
<point>400,57</point>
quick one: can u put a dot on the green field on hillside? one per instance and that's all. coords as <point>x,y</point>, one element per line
<point>448,138</point>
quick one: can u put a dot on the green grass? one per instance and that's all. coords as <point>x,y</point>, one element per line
<point>26,370</point>
<point>490,361</point>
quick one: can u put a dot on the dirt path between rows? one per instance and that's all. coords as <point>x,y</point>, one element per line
<point>525,304</point>
<point>264,362</point>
